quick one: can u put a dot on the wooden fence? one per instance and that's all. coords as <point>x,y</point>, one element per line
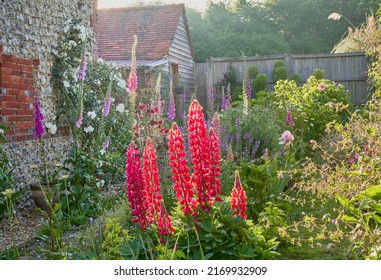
<point>349,69</point>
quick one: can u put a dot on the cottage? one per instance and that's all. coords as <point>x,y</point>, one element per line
<point>164,42</point>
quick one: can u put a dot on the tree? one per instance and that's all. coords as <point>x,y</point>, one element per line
<point>244,27</point>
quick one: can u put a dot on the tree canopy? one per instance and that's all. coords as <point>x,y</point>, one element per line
<point>244,27</point>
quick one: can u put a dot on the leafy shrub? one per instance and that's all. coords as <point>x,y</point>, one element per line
<point>80,197</point>
<point>346,161</point>
<point>229,78</point>
<point>364,212</point>
<point>260,82</point>
<point>279,63</point>
<point>280,73</point>
<point>295,77</point>
<point>250,135</point>
<point>114,236</point>
<point>237,94</point>
<point>7,188</point>
<point>318,73</point>
<point>252,71</point>
<point>311,106</point>
<point>221,235</point>
<point>263,180</point>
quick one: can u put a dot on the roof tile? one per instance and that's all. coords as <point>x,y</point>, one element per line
<point>155,27</point>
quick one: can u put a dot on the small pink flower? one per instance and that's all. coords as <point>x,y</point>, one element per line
<point>105,144</point>
<point>351,160</point>
<point>106,109</point>
<point>286,138</point>
<point>80,120</point>
<point>289,119</point>
<point>321,87</point>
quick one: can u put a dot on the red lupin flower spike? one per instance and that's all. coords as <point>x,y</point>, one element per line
<point>238,198</point>
<point>215,169</point>
<point>180,171</point>
<point>151,182</point>
<point>134,186</point>
<point>200,154</point>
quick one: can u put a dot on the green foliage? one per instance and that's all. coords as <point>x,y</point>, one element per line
<point>229,78</point>
<point>259,83</point>
<point>250,135</point>
<point>363,211</point>
<point>7,187</point>
<point>374,52</point>
<point>280,73</point>
<point>311,109</point>
<point>279,63</point>
<point>52,229</point>
<point>89,96</point>
<point>295,77</point>
<point>228,169</point>
<point>252,72</point>
<point>81,198</point>
<point>351,150</point>
<point>318,73</point>
<point>223,32</point>
<point>272,218</point>
<point>262,181</point>
<point>272,27</point>
<point>220,235</point>
<point>237,94</point>
<point>114,237</point>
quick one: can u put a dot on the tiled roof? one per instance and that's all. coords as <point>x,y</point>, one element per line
<point>155,27</point>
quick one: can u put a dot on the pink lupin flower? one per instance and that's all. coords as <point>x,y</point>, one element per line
<point>215,169</point>
<point>217,126</point>
<point>136,194</point>
<point>238,198</point>
<point>171,108</point>
<point>132,81</point>
<point>200,154</point>
<point>164,225</point>
<point>180,171</point>
<point>151,182</point>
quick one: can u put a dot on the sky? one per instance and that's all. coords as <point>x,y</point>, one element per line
<point>197,4</point>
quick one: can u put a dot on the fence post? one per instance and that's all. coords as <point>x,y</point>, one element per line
<point>289,65</point>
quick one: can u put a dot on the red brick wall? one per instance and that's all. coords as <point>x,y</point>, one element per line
<point>17,96</point>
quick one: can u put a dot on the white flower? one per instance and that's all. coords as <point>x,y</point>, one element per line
<point>120,108</point>
<point>66,84</point>
<point>100,183</point>
<point>334,16</point>
<point>52,128</point>
<point>121,83</point>
<point>1,131</point>
<point>88,129</point>
<point>91,114</point>
<point>102,152</point>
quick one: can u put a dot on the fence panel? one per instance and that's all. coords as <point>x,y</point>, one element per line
<point>349,69</point>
